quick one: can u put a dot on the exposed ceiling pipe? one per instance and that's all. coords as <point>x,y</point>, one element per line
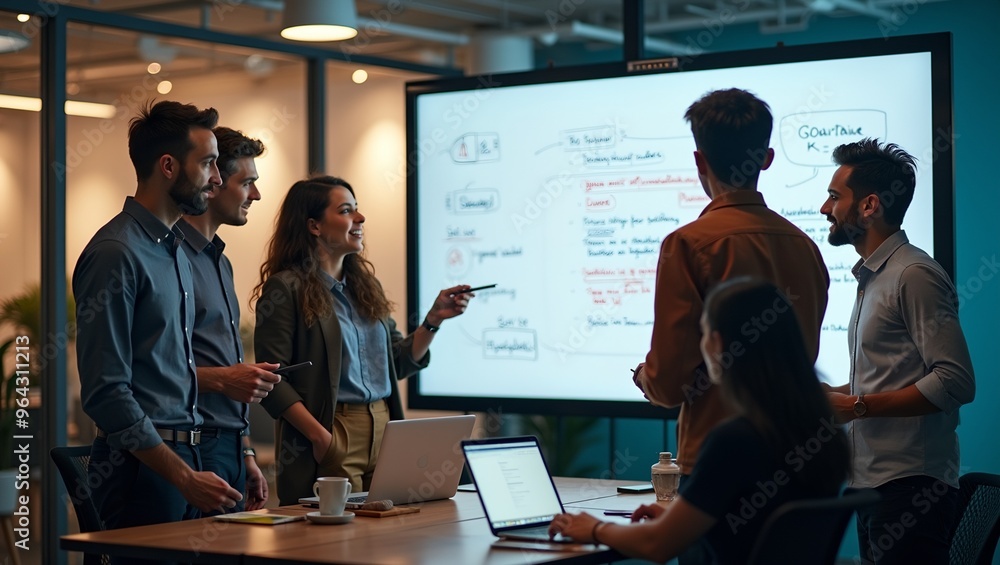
<point>447,11</point>
<point>368,25</point>
<point>548,35</point>
<point>173,6</point>
<point>876,9</point>
<point>863,8</point>
<point>571,29</point>
<point>588,31</point>
<point>696,24</point>
<point>510,7</point>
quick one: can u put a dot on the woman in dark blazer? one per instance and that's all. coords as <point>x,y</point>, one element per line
<point>319,301</point>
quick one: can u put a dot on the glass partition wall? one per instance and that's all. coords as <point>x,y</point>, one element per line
<point>20,278</point>
<point>106,66</point>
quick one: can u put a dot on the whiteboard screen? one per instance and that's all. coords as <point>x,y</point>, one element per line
<point>561,192</point>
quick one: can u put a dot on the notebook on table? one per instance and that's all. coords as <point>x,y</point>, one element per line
<point>420,460</point>
<point>515,487</point>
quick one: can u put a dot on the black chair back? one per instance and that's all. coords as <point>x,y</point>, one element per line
<point>977,525</point>
<point>72,463</point>
<point>808,531</point>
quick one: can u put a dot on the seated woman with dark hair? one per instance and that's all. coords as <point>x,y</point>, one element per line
<point>781,446</point>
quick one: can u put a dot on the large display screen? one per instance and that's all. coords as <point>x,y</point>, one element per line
<point>558,186</point>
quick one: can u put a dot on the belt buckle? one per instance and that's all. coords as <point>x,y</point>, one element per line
<point>195,437</point>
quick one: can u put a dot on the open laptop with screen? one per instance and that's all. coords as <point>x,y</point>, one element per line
<point>515,487</point>
<point>419,460</point>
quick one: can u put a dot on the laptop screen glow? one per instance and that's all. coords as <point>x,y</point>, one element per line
<point>513,483</point>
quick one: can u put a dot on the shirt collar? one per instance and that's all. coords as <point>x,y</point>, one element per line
<point>332,283</point>
<point>739,197</point>
<point>196,241</point>
<point>877,259</point>
<point>154,228</point>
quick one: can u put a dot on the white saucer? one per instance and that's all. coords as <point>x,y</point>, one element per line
<point>317,518</point>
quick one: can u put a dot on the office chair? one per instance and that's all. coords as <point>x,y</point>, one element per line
<point>72,463</point>
<point>808,531</point>
<point>977,525</point>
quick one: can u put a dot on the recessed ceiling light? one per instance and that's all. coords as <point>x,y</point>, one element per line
<point>23,17</point>
<point>153,68</point>
<point>359,76</point>
<point>164,87</point>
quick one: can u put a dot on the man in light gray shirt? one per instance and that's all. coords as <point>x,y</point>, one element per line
<point>910,365</point>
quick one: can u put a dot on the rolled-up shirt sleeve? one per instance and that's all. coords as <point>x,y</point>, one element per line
<point>929,306</point>
<point>104,285</point>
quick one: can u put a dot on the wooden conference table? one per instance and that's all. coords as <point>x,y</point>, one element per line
<point>444,531</point>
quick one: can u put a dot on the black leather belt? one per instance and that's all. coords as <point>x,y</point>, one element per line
<point>207,433</point>
<point>185,437</point>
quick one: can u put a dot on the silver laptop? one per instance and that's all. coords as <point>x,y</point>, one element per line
<point>419,460</point>
<point>515,487</point>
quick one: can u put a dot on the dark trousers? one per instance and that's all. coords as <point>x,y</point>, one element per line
<point>911,524</point>
<point>128,493</point>
<point>222,454</point>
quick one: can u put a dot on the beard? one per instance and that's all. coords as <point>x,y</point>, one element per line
<point>191,199</point>
<point>848,231</point>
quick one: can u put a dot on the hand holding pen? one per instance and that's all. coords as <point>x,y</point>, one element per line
<point>449,303</point>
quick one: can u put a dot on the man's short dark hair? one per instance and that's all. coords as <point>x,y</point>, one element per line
<point>732,130</point>
<point>885,170</point>
<point>233,146</point>
<point>164,129</point>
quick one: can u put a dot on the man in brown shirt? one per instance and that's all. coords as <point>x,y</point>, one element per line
<point>735,235</point>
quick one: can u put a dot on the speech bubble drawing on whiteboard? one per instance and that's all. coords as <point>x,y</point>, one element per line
<point>476,148</point>
<point>473,201</point>
<point>809,138</point>
<point>510,343</point>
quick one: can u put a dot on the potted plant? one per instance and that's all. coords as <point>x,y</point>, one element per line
<point>21,316</point>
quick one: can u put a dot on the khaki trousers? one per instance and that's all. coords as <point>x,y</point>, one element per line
<point>357,438</point>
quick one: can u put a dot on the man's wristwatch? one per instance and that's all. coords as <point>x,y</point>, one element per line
<point>860,408</point>
<point>430,327</point>
<point>249,452</point>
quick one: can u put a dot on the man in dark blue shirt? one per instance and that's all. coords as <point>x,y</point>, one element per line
<point>135,312</point>
<point>225,383</point>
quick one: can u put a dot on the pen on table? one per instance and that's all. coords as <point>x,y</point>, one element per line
<point>475,288</point>
<point>625,513</point>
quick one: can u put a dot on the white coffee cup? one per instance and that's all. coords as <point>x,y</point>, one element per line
<point>332,493</point>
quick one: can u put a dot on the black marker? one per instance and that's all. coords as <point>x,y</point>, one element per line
<point>624,513</point>
<point>290,368</point>
<point>475,288</point>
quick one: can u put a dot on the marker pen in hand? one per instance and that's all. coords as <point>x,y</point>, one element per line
<point>475,288</point>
